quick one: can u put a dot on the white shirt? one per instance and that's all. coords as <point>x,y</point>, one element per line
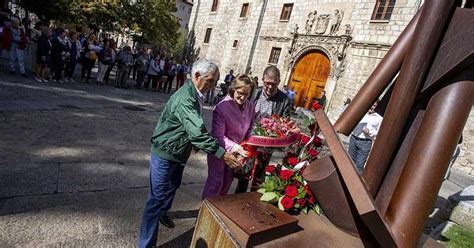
<point>372,123</point>
<point>201,98</point>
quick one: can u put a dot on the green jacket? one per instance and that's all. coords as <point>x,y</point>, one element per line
<point>181,127</point>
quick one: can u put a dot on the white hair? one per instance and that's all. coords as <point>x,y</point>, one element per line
<point>204,67</point>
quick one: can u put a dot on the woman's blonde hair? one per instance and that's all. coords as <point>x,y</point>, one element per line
<point>241,81</point>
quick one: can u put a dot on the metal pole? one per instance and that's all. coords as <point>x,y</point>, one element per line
<point>435,142</point>
<point>378,80</point>
<point>431,26</point>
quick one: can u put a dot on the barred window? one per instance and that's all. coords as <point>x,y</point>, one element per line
<point>274,55</point>
<point>286,11</point>
<point>207,38</point>
<point>383,10</point>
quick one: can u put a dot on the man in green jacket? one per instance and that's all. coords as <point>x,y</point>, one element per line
<point>179,129</point>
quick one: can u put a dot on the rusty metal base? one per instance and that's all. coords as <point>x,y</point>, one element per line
<point>215,229</point>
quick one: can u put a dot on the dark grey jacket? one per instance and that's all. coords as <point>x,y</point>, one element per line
<point>282,104</point>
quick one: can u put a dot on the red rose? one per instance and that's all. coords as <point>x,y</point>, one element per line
<point>304,139</point>
<point>302,202</point>
<point>270,169</point>
<point>313,153</point>
<point>286,174</point>
<point>291,191</point>
<point>316,106</point>
<point>317,142</point>
<point>311,199</point>
<point>292,161</point>
<point>287,202</point>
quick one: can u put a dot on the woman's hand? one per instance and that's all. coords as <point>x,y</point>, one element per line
<point>232,161</point>
<point>240,150</point>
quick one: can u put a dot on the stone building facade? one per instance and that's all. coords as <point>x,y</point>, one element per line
<point>351,37</point>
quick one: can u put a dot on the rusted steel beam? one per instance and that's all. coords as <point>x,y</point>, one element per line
<point>378,80</point>
<point>323,179</point>
<point>362,200</point>
<point>429,158</point>
<point>431,26</point>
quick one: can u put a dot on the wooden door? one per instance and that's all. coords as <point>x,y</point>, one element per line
<point>309,78</point>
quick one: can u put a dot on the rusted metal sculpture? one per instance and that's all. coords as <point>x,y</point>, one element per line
<point>424,111</point>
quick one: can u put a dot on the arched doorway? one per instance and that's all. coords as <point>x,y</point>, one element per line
<point>309,77</point>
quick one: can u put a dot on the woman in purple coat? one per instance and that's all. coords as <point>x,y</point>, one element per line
<point>232,123</point>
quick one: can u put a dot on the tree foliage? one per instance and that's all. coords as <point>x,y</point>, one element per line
<point>150,21</point>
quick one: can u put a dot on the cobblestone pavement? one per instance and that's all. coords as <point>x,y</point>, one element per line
<point>74,166</point>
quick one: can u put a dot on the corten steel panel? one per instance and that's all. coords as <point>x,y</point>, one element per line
<point>430,28</point>
<point>362,200</point>
<point>378,80</point>
<point>435,142</point>
<point>259,221</point>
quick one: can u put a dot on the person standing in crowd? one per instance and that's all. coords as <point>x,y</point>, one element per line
<point>230,132</point>
<point>88,57</point>
<point>124,64</point>
<point>163,63</point>
<point>74,47</point>
<point>363,136</point>
<point>15,41</point>
<point>33,45</point>
<point>179,129</point>
<point>143,61</point>
<point>171,73</point>
<point>43,55</point>
<point>268,100</point>
<point>59,55</point>
<point>291,95</point>
<point>105,59</point>
<point>113,47</point>
<point>153,72</point>
<point>322,100</point>
<point>181,73</point>
<point>229,78</point>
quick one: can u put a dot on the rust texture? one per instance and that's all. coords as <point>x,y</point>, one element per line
<point>431,26</point>
<point>362,200</point>
<point>428,161</point>
<point>325,183</point>
<point>378,80</point>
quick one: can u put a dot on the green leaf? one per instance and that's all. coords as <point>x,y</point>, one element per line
<point>280,206</point>
<point>269,197</point>
<point>305,210</point>
<point>317,209</point>
<point>261,190</point>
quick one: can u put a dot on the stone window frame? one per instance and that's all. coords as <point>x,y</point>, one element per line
<point>215,5</point>
<point>286,12</point>
<point>274,55</point>
<point>383,10</point>
<point>244,11</point>
<point>235,44</point>
<point>207,36</point>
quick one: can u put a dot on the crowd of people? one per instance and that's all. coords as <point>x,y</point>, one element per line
<point>55,52</point>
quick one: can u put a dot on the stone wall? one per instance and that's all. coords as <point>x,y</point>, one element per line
<point>370,42</point>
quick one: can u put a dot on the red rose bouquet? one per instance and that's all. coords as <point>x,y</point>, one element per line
<point>284,185</point>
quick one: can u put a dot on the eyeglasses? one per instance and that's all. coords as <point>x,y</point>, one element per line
<point>242,93</point>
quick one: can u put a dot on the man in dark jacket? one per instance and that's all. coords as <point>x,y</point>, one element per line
<point>179,129</point>
<point>269,100</point>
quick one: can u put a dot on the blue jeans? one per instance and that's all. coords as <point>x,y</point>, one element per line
<point>359,150</point>
<point>165,179</point>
